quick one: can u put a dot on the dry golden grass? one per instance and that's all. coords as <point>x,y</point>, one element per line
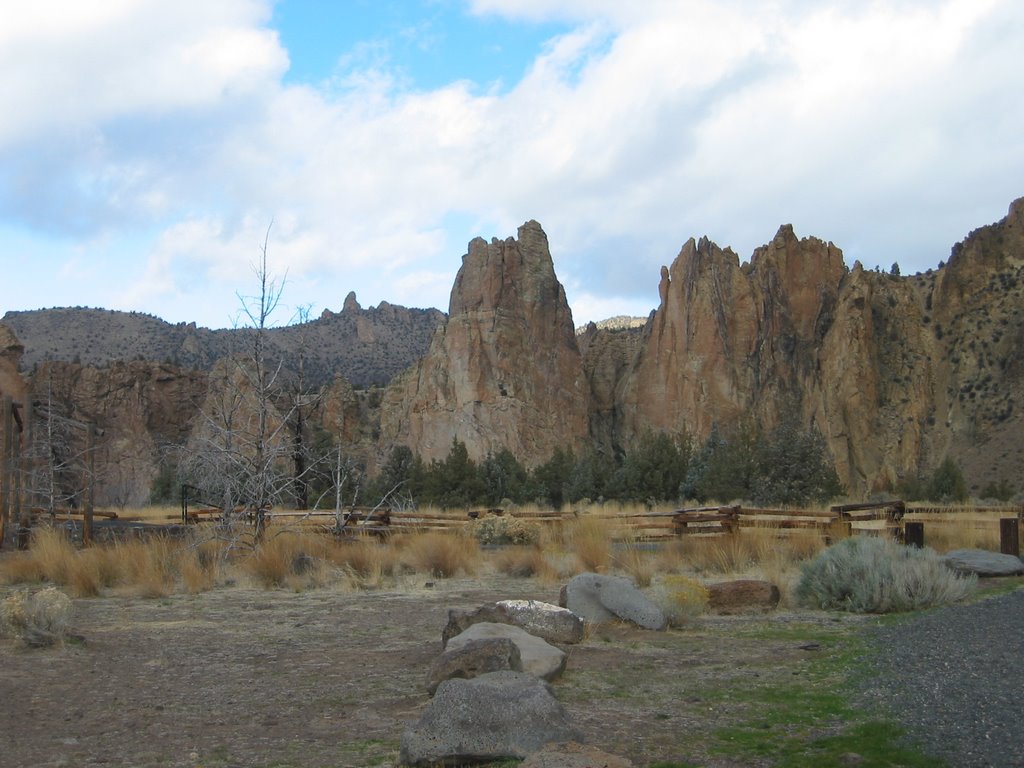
<point>149,567</point>
<point>525,562</point>
<point>366,562</point>
<point>600,539</point>
<point>54,554</point>
<point>635,559</point>
<point>294,559</point>
<point>961,531</point>
<point>590,539</point>
<point>20,568</point>
<point>439,554</point>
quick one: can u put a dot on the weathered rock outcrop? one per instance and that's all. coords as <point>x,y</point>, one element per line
<point>11,350</point>
<point>505,370</point>
<point>728,339</point>
<point>896,372</point>
<point>142,408</point>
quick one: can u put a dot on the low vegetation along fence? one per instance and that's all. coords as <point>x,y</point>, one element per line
<point>894,518</point>
<point>993,526</point>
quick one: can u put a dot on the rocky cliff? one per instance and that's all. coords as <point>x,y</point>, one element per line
<point>142,408</point>
<point>11,351</point>
<point>505,370</point>
<point>896,372</point>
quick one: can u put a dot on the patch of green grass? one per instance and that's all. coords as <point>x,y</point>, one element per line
<point>810,720</point>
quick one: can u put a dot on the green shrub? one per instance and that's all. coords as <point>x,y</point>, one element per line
<point>506,530</point>
<point>868,575</point>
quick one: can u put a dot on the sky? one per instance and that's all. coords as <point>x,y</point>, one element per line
<point>149,150</point>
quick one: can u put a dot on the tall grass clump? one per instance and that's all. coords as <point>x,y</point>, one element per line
<point>366,563</point>
<point>869,575</point>
<point>289,559</point>
<point>37,619</point>
<point>635,559</point>
<point>148,567</point>
<point>440,554</point>
<point>590,540</point>
<point>54,554</point>
<point>525,562</point>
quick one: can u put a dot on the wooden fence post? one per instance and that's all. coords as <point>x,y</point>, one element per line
<point>913,534</point>
<point>1009,536</point>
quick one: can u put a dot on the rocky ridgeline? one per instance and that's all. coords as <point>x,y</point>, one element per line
<point>897,373</point>
<point>365,346</point>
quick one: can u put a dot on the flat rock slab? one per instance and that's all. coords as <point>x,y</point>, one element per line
<point>475,658</point>
<point>574,755</point>
<point>742,596</point>
<point>496,716</point>
<point>983,563</point>
<point>598,598</point>
<point>538,657</point>
<point>544,620</point>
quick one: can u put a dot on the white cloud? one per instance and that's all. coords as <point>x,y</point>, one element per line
<point>889,128</point>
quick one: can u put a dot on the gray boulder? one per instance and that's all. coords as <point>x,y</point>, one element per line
<point>984,563</point>
<point>495,716</point>
<point>538,657</point>
<point>475,658</point>
<point>544,620</point>
<point>599,598</point>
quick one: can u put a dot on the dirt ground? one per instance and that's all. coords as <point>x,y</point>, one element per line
<point>244,677</point>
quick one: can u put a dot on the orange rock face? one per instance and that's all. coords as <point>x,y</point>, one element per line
<point>505,370</point>
<point>730,339</point>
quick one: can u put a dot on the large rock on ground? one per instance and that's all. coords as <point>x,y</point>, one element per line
<point>475,658</point>
<point>742,596</point>
<point>544,620</point>
<point>492,717</point>
<point>984,563</point>
<point>538,657</point>
<point>598,598</point>
<point>573,755</point>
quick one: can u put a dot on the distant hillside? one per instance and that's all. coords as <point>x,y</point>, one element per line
<point>366,346</point>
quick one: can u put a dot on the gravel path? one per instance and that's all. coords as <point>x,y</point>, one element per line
<point>955,677</point>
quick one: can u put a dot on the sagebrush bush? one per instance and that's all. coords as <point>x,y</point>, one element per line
<point>681,598</point>
<point>869,575</point>
<point>37,619</point>
<point>506,530</point>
